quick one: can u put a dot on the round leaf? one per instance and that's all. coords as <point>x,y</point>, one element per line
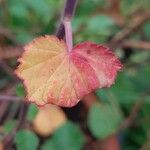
<point>32,112</point>
<point>26,140</point>
<point>48,145</point>
<point>103,120</point>
<point>68,137</point>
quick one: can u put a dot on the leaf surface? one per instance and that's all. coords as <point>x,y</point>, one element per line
<point>53,75</point>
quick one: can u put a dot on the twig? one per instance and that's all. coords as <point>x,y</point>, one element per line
<point>7,33</point>
<point>136,44</point>
<point>3,110</point>
<point>89,100</point>
<point>4,105</point>
<point>8,140</point>
<point>133,26</point>
<point>146,145</point>
<point>133,114</point>
<point>10,52</point>
<point>23,112</point>
<point>10,98</point>
<point>7,69</point>
<point>114,7</point>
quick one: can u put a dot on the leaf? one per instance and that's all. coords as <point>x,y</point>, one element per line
<point>141,79</point>
<point>67,137</point>
<point>140,57</point>
<point>146,30</point>
<point>144,119</point>
<point>18,9</point>
<point>9,126</point>
<point>103,120</point>
<point>20,90</point>
<point>40,9</point>
<point>53,75</point>
<point>100,24</point>
<point>125,90</point>
<point>24,36</point>
<point>32,112</point>
<point>45,123</point>
<point>85,6</point>
<point>26,140</point>
<point>128,7</point>
<point>48,145</point>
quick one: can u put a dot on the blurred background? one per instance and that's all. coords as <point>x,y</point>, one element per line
<point>119,119</point>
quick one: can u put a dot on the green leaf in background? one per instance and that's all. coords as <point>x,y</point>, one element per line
<point>48,145</point>
<point>128,86</point>
<point>77,22</point>
<point>18,9</point>
<point>67,137</point>
<point>28,18</point>
<point>141,78</point>
<point>100,24</point>
<point>42,9</point>
<point>23,36</point>
<point>103,120</point>
<point>32,112</point>
<point>9,125</point>
<point>124,90</point>
<point>146,145</point>
<point>140,57</point>
<point>89,6</point>
<point>144,118</point>
<point>84,7</point>
<point>20,90</point>
<point>146,30</point>
<point>26,140</point>
<point>130,6</point>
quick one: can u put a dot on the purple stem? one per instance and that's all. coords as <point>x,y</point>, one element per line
<point>68,13</point>
<point>10,98</point>
<point>68,34</point>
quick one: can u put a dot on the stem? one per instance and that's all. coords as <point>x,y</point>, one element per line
<point>69,8</point>
<point>10,98</point>
<point>68,13</point>
<point>68,34</point>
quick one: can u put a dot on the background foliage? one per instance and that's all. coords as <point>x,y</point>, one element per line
<point>125,105</point>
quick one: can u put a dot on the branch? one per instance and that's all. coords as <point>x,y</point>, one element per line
<point>8,140</point>
<point>134,112</point>
<point>133,26</point>
<point>110,143</point>
<point>7,70</point>
<point>10,52</point>
<point>136,44</point>
<point>8,34</point>
<point>10,98</point>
